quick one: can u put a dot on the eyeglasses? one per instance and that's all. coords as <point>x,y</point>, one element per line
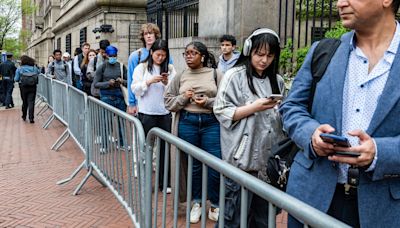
<point>190,53</point>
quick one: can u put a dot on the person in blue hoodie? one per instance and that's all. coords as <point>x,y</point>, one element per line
<point>28,92</point>
<point>229,55</point>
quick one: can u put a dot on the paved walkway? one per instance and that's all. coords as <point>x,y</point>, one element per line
<point>29,170</point>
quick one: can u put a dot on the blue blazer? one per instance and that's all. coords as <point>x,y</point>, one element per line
<point>313,179</point>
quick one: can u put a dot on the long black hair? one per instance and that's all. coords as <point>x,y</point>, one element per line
<point>260,42</point>
<point>209,59</point>
<point>158,45</point>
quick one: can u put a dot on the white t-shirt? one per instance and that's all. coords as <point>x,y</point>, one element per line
<point>150,99</point>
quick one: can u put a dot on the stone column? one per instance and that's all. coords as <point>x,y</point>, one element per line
<point>236,17</point>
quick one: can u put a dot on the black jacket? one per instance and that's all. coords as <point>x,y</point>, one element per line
<point>7,69</point>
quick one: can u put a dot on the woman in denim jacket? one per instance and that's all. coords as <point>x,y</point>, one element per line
<point>28,93</point>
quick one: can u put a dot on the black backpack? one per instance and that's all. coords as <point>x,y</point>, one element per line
<point>29,79</point>
<point>276,171</point>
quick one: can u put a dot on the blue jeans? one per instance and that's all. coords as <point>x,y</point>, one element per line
<point>114,98</point>
<point>8,87</point>
<point>203,131</point>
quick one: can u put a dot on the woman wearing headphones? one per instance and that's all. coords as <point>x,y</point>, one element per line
<point>245,106</point>
<point>191,95</point>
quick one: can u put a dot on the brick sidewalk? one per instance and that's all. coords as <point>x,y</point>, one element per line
<point>29,170</point>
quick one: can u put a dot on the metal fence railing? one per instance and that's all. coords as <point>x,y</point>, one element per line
<point>59,98</point>
<point>44,93</point>
<point>116,140</point>
<point>249,183</point>
<point>76,128</point>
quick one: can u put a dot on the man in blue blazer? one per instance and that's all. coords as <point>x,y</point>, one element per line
<point>358,98</point>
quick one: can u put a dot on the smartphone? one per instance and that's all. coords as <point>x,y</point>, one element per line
<point>347,154</point>
<point>275,97</point>
<point>335,140</point>
<point>199,95</point>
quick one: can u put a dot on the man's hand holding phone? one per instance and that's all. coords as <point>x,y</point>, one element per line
<point>365,149</point>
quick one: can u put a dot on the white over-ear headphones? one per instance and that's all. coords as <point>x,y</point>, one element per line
<point>247,43</point>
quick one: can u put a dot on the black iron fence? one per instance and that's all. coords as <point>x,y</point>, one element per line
<point>176,18</point>
<point>305,21</point>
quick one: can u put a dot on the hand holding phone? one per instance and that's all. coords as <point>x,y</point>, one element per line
<point>339,141</point>
<point>275,97</point>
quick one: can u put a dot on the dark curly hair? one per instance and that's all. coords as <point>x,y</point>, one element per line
<point>26,60</point>
<point>209,59</point>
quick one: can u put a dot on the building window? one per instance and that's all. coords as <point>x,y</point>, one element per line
<point>68,44</point>
<point>59,44</point>
<point>82,36</point>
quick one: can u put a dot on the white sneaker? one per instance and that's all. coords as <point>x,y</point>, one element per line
<point>168,190</point>
<point>195,213</point>
<point>213,214</point>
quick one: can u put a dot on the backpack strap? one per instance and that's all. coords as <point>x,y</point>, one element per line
<point>52,67</point>
<point>215,77</point>
<point>321,58</point>
<point>139,54</point>
<point>121,66</point>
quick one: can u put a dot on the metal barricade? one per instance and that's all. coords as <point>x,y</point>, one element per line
<point>249,183</point>
<point>44,93</point>
<point>115,141</point>
<point>40,90</point>
<point>59,102</point>
<point>77,127</point>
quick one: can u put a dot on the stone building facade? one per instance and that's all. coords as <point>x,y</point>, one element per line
<point>66,24</point>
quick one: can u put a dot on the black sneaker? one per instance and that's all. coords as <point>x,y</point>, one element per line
<point>31,121</point>
<point>23,118</point>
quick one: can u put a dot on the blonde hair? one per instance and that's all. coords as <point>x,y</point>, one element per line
<point>152,28</point>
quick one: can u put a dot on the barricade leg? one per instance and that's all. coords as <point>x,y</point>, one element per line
<point>90,173</point>
<point>72,175</point>
<point>61,140</point>
<point>41,111</point>
<point>48,122</point>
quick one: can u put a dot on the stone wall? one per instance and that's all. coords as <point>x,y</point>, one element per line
<point>177,47</point>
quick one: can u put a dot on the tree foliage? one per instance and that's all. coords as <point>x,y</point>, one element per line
<point>319,8</point>
<point>10,13</point>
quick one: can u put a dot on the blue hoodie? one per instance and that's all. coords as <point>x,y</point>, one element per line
<point>224,65</point>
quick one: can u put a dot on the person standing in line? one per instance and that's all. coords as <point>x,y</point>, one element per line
<point>67,58</point>
<point>28,92</point>
<point>88,71</point>
<point>148,34</point>
<point>191,96</point>
<point>357,98</point>
<point>250,123</point>
<point>149,81</point>
<point>7,70</point>
<point>58,69</point>
<point>229,55</point>
<point>77,73</point>
<point>101,56</point>
<point>108,79</point>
